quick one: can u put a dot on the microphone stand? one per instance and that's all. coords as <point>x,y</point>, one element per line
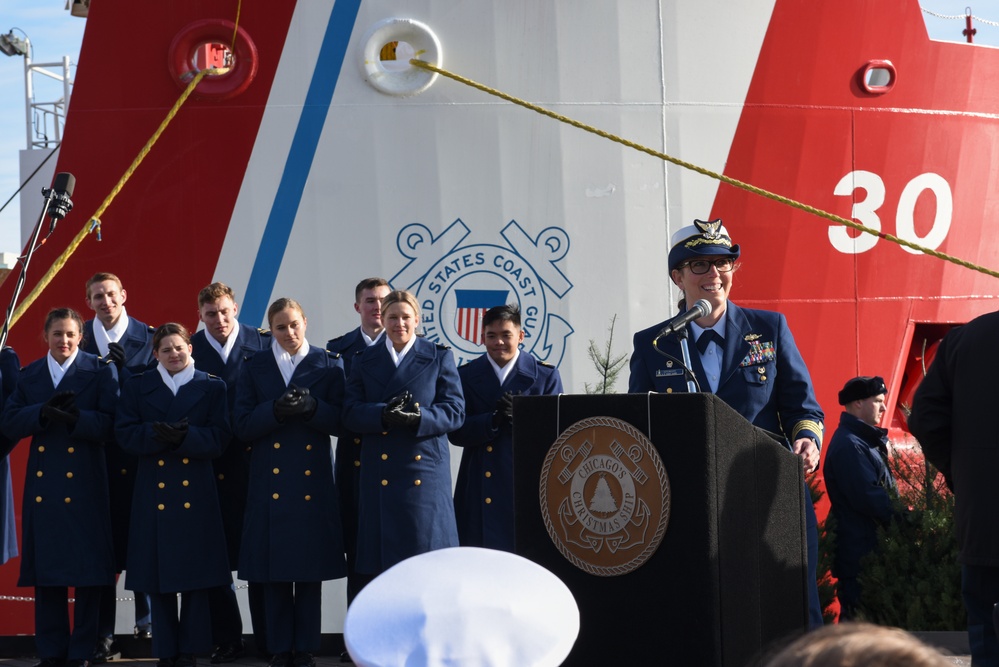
<point>683,334</point>
<point>25,260</point>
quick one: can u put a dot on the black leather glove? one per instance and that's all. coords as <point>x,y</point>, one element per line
<point>286,404</point>
<point>503,413</point>
<point>307,404</point>
<point>62,408</point>
<point>408,416</point>
<point>116,354</point>
<point>295,403</point>
<point>170,434</point>
<point>394,405</point>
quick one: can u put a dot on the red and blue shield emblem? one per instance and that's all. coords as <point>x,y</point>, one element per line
<point>471,308</point>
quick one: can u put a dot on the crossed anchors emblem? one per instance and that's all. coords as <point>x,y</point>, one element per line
<point>605,496</point>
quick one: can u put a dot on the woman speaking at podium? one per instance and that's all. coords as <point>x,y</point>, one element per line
<point>746,357</point>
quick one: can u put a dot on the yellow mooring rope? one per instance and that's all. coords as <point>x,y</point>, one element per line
<point>707,172</point>
<point>94,222</point>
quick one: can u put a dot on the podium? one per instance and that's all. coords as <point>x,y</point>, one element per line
<point>728,577</point>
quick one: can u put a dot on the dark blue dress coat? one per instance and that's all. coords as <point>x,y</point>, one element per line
<point>66,521</point>
<point>405,501</point>
<point>138,344</point>
<point>232,469</point>
<point>10,368</point>
<point>175,540</point>
<point>763,376</point>
<point>483,497</point>
<point>347,463</point>
<point>858,481</point>
<point>292,528</point>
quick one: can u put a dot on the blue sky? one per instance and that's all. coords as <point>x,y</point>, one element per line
<point>54,33</point>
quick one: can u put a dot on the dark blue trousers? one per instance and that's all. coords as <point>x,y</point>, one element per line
<point>189,632</point>
<point>52,636</point>
<point>227,624</point>
<point>258,616</point>
<point>980,590</point>
<point>293,616</point>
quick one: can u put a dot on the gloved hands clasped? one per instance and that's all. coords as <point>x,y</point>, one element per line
<point>503,413</point>
<point>295,403</point>
<point>171,434</point>
<point>400,412</point>
<point>62,408</point>
<point>116,354</point>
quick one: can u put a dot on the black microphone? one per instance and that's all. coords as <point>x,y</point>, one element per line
<point>60,204</point>
<point>700,309</point>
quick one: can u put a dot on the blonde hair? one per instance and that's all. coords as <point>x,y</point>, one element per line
<point>401,296</point>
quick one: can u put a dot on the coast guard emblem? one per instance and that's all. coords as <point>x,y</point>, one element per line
<point>605,496</point>
<point>456,282</point>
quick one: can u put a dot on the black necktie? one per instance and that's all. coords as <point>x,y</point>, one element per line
<point>706,337</point>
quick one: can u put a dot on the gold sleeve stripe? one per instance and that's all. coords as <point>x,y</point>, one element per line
<point>808,425</point>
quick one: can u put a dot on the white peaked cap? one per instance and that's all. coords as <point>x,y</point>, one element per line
<point>462,606</point>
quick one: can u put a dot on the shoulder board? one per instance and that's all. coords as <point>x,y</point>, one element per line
<point>545,364</point>
<point>442,347</point>
<point>335,355</point>
<point>214,377</point>
<point>264,332</point>
<point>150,328</point>
<point>357,352</point>
<point>333,340</point>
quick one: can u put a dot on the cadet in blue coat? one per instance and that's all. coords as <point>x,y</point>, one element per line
<point>175,420</point>
<point>220,349</point>
<point>859,483</point>
<point>368,297</point>
<point>288,404</point>
<point>483,497</point>
<point>404,396</point>
<point>747,357</point>
<point>128,344</point>
<point>65,401</point>
<point>10,368</point>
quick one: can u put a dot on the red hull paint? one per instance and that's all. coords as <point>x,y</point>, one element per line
<point>806,124</point>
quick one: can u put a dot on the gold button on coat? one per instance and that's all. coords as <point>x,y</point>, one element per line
<point>41,448</point>
<point>275,496</point>
<point>308,448</point>
<point>68,500</point>
<point>161,485</point>
<point>39,473</point>
<point>357,464</point>
<point>489,501</point>
<point>308,472</point>
<point>71,450</point>
<point>187,506</point>
<point>489,448</point>
<point>277,445</point>
<point>357,441</point>
<point>308,497</point>
<point>221,476</point>
<point>161,463</point>
<point>418,457</point>
<point>69,475</point>
<point>38,499</point>
<point>160,506</point>
<point>384,457</point>
<point>488,474</point>
<point>276,471</point>
<point>186,483</point>
<point>186,460</point>
<point>124,471</point>
<point>384,482</point>
<point>417,483</point>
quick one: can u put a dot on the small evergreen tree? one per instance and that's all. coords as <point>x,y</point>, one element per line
<point>608,366</point>
<point>827,547</point>
<point>913,580</point>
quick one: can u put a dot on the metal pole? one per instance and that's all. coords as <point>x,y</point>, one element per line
<point>28,92</point>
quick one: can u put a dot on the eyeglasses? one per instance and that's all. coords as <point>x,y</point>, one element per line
<point>701,266</point>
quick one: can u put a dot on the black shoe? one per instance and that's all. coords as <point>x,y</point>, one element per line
<point>280,660</point>
<point>165,662</point>
<point>303,659</point>
<point>144,633</point>
<point>185,660</point>
<point>50,662</point>
<point>77,663</point>
<point>106,650</point>
<point>228,652</point>
<point>345,657</point>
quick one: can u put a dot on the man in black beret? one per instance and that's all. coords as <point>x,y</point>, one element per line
<point>859,482</point>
